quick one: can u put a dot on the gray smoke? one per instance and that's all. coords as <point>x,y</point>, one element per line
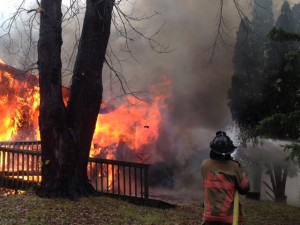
<point>198,106</point>
<point>199,93</point>
<point>199,90</point>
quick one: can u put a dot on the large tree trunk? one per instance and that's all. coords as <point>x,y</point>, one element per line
<point>86,89</point>
<point>66,133</point>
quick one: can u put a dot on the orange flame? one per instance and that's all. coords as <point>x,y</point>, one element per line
<point>19,102</point>
<point>132,127</point>
<point>126,131</point>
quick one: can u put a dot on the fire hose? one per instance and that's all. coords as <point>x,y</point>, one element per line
<point>236,208</point>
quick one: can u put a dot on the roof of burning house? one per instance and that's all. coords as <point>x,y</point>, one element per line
<point>20,75</point>
<point>26,76</point>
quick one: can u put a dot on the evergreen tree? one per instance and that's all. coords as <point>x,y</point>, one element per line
<point>245,96</point>
<point>296,13</point>
<point>262,22</point>
<point>282,81</point>
<point>262,18</point>
<point>283,121</point>
<point>264,97</point>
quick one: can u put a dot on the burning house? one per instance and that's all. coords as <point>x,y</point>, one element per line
<point>124,131</point>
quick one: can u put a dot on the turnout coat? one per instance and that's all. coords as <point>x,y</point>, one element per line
<point>221,178</point>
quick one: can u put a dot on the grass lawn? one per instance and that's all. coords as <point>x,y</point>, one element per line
<point>30,209</point>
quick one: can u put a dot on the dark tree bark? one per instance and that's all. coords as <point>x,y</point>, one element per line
<point>66,132</point>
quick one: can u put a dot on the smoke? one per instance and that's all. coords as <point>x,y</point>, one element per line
<point>198,104</point>
<point>18,46</point>
<point>199,95</point>
<point>199,90</point>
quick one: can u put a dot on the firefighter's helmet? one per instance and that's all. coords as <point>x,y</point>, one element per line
<point>221,144</point>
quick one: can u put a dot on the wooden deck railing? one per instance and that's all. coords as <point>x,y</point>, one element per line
<point>20,168</point>
<point>24,145</point>
<point>119,177</point>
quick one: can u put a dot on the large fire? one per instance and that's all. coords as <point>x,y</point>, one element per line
<point>124,131</point>
<point>19,100</point>
<point>132,128</point>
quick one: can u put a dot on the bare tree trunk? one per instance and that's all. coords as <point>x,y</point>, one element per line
<point>52,118</point>
<point>66,133</point>
<point>278,175</point>
<point>86,89</point>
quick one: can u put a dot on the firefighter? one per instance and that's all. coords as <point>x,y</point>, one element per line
<point>222,176</point>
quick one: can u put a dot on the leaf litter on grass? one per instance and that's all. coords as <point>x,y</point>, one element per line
<point>29,209</point>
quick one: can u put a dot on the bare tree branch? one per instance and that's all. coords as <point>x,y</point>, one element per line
<point>222,27</point>
<point>25,22</point>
